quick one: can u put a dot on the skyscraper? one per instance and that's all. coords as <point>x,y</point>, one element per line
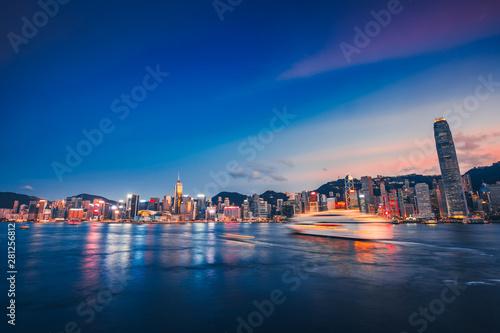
<point>178,196</point>
<point>453,185</point>
<point>423,200</point>
<point>132,205</point>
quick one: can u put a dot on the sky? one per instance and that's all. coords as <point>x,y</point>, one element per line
<point>245,96</point>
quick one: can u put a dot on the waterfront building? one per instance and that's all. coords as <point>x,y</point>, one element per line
<point>178,196</point>
<point>450,170</point>
<point>133,206</point>
<point>232,213</point>
<point>367,188</point>
<point>423,201</point>
<point>495,196</point>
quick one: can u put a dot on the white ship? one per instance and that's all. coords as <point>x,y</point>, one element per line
<point>343,224</point>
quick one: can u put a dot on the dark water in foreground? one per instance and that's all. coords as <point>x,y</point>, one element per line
<point>185,278</point>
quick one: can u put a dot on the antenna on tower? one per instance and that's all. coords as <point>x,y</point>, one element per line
<point>178,176</point>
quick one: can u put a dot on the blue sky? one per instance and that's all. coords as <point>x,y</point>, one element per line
<point>369,115</point>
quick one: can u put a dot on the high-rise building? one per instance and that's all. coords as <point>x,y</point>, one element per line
<point>178,196</point>
<point>423,200</point>
<point>154,204</point>
<point>467,183</point>
<point>16,205</point>
<point>279,204</point>
<point>441,196</point>
<point>495,196</point>
<point>367,188</point>
<point>167,203</point>
<point>450,170</point>
<point>133,205</point>
<point>348,190</point>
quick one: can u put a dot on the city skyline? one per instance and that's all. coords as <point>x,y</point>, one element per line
<point>374,110</point>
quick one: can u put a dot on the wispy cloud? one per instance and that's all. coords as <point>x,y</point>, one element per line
<point>27,187</point>
<point>286,162</point>
<point>420,28</point>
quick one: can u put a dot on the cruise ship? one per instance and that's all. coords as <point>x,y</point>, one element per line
<point>342,224</point>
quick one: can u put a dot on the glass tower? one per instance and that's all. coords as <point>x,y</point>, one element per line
<point>453,185</point>
<point>178,196</point>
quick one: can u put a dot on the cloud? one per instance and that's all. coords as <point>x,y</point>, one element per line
<point>421,28</point>
<point>471,142</point>
<point>27,187</point>
<point>238,173</point>
<point>255,175</point>
<point>261,167</point>
<point>265,172</point>
<point>286,162</point>
<point>278,178</point>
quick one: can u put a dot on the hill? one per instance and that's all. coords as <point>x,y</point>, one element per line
<point>91,197</point>
<point>490,175</point>
<point>272,197</point>
<point>234,198</point>
<point>7,199</point>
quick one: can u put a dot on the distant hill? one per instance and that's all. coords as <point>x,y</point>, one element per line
<point>91,197</point>
<point>7,199</point>
<point>234,198</point>
<point>237,198</point>
<point>490,175</point>
<point>272,197</point>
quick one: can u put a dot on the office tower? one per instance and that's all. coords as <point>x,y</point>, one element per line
<point>33,210</point>
<point>154,204</point>
<point>167,203</point>
<point>423,200</point>
<point>441,196</point>
<point>133,205</point>
<point>495,196</point>
<point>246,209</point>
<point>262,213</point>
<point>367,190</point>
<point>255,204</point>
<point>448,161</point>
<point>178,196</point>
<point>331,203</point>
<point>348,190</point>
<point>279,204</point>
<point>226,202</point>
<point>467,183</point>
<point>16,205</point>
<point>434,202</point>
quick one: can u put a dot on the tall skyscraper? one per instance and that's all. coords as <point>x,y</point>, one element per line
<point>132,205</point>
<point>16,205</point>
<point>367,189</point>
<point>448,161</point>
<point>178,196</point>
<point>423,199</point>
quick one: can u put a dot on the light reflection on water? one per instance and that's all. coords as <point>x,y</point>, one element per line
<point>175,270</point>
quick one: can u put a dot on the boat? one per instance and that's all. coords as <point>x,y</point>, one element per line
<point>342,224</point>
<point>24,227</point>
<point>73,222</point>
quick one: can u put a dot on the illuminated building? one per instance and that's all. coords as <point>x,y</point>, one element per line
<point>495,196</point>
<point>232,213</point>
<point>349,187</point>
<point>367,190</point>
<point>167,203</point>
<point>133,205</point>
<point>279,204</point>
<point>154,204</point>
<point>16,205</point>
<point>441,197</point>
<point>178,196</point>
<point>448,161</point>
<point>423,201</point>
<point>331,203</point>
